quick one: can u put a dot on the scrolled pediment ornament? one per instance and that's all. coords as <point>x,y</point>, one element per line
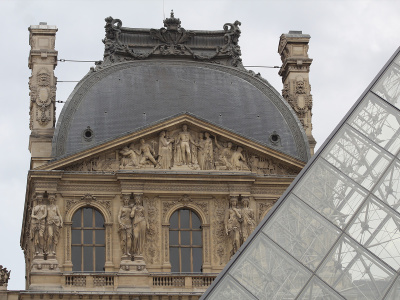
<point>88,199</point>
<point>172,40</point>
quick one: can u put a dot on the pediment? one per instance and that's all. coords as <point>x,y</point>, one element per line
<point>183,143</point>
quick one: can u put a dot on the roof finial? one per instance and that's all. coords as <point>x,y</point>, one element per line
<point>172,23</point>
<point>172,13</point>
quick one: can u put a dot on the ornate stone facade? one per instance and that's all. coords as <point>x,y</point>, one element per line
<point>113,215</point>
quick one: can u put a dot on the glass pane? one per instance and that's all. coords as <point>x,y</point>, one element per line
<point>350,269</point>
<point>185,237</point>
<point>87,258</point>
<point>357,157</point>
<point>197,259</point>
<point>388,87</point>
<point>76,237</point>
<point>196,238</point>
<point>267,272</point>
<point>229,289</point>
<point>388,189</point>
<point>88,236</point>
<point>301,232</point>
<point>379,122</point>
<point>185,259</point>
<point>99,235</point>
<point>377,228</point>
<point>76,219</point>
<point>87,217</point>
<point>174,259</point>
<point>173,238</point>
<point>173,221</point>
<point>394,293</point>
<point>184,218</point>
<point>330,193</point>
<point>196,224</point>
<point>76,257</point>
<point>99,220</point>
<point>317,290</point>
<point>100,258</point>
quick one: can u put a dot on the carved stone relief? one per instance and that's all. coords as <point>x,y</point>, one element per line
<point>218,229</point>
<point>42,94</point>
<point>153,234</point>
<point>183,149</point>
<point>264,207</point>
<point>88,198</point>
<point>4,276</point>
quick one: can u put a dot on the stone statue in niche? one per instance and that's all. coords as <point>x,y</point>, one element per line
<point>183,155</point>
<point>130,157</point>
<point>38,224</point>
<point>125,226</point>
<point>233,218</point>
<point>249,223</point>
<point>164,151</point>
<point>147,153</point>
<point>54,223</point>
<point>238,161</point>
<point>140,225</point>
<point>225,155</point>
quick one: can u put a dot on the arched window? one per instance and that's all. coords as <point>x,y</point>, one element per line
<point>88,240</point>
<point>185,242</point>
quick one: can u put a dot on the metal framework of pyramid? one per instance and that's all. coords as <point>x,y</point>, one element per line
<point>335,233</point>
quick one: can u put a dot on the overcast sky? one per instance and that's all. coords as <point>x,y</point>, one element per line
<point>350,42</point>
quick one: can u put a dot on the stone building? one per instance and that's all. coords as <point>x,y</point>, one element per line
<point>165,157</point>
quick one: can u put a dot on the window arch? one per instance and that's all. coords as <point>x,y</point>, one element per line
<point>185,242</point>
<point>88,240</point>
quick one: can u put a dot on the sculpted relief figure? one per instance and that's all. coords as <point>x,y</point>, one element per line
<point>249,223</point>
<point>125,226</point>
<point>183,154</point>
<point>233,219</point>
<point>225,154</point>
<point>164,151</point>
<point>54,223</point>
<point>140,225</point>
<point>238,161</point>
<point>147,153</point>
<point>129,157</point>
<point>38,224</point>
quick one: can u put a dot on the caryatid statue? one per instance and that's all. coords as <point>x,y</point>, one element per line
<point>38,224</point>
<point>125,226</point>
<point>183,142</point>
<point>233,219</point>
<point>140,225</point>
<point>54,223</point>
<point>248,223</point>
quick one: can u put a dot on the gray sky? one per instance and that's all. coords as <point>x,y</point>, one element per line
<point>350,42</point>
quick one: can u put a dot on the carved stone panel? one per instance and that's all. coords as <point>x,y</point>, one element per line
<point>184,149</point>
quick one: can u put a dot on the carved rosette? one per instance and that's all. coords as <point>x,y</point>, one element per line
<point>42,94</point>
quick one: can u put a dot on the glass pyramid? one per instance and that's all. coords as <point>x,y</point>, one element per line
<point>335,233</point>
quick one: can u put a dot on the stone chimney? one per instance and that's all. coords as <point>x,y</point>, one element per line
<point>42,86</point>
<point>293,49</point>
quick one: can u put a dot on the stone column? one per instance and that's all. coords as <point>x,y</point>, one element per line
<point>293,49</point>
<point>42,86</point>
<point>109,266</point>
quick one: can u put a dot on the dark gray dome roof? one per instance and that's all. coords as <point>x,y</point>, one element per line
<point>127,96</point>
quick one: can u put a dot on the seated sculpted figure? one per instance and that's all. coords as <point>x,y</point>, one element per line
<point>147,153</point>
